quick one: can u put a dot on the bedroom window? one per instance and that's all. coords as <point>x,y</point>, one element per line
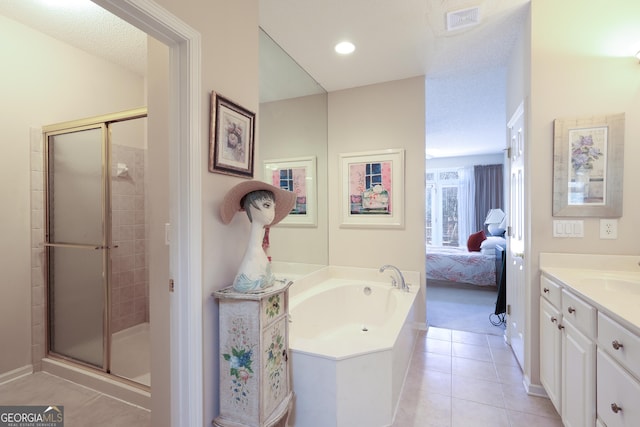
<point>442,212</point>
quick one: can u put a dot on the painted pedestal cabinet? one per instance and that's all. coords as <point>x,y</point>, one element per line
<point>255,386</point>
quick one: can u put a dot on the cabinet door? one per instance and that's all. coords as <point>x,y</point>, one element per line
<point>578,378</point>
<point>550,351</point>
<point>618,394</point>
<point>276,369</point>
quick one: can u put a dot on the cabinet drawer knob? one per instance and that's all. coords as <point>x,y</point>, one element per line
<point>553,319</point>
<point>561,327</point>
<point>571,310</point>
<point>616,345</point>
<point>545,290</point>
<point>615,408</point>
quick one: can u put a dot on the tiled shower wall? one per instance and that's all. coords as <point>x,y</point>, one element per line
<point>129,278</point>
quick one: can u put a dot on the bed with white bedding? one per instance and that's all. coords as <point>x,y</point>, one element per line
<point>458,264</point>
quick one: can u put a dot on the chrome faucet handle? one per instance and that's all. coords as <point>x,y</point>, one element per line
<point>394,282</point>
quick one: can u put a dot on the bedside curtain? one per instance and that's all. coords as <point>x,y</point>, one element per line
<point>489,191</point>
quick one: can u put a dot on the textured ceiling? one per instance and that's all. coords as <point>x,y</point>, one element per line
<point>465,69</point>
<point>85,26</point>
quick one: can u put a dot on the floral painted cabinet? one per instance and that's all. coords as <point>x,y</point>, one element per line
<point>255,388</point>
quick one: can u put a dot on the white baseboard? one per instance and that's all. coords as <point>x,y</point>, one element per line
<point>16,373</point>
<point>534,389</point>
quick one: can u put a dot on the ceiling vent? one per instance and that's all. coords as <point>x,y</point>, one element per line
<point>463,18</point>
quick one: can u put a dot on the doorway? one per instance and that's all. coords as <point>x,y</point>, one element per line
<point>96,270</point>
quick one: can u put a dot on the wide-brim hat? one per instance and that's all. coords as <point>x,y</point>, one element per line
<point>285,200</point>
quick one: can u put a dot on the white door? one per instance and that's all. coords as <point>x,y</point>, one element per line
<point>515,254</point>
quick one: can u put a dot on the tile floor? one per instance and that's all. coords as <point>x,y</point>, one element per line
<point>456,379</point>
<point>82,406</point>
<point>465,379</point>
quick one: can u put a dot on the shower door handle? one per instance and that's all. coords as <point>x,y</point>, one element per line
<point>106,247</point>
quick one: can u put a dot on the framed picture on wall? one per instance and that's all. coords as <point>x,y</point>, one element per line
<point>297,175</point>
<point>372,189</point>
<point>231,138</point>
<point>588,162</point>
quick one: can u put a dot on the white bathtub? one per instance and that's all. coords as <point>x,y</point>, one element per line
<point>351,342</point>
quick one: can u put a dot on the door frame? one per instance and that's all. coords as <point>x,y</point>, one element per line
<point>185,111</point>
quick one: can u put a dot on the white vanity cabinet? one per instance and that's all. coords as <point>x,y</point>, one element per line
<point>255,386</point>
<point>568,354</point>
<point>618,373</point>
<point>551,340</point>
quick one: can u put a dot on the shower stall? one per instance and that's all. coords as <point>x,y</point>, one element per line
<point>95,239</point>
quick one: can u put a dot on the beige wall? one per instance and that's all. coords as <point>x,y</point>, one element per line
<point>229,44</point>
<point>44,82</point>
<point>581,65</point>
<point>388,115</point>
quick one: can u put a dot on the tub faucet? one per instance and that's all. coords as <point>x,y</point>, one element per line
<point>400,282</point>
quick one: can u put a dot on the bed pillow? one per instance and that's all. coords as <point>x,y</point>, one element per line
<point>491,242</point>
<point>475,240</point>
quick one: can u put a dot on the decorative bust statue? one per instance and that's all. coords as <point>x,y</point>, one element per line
<point>265,205</point>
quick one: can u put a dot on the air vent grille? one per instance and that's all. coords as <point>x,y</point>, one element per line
<point>463,18</point>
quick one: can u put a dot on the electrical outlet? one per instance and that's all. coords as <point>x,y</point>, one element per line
<point>608,228</point>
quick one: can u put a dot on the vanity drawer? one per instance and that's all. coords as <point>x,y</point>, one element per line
<point>579,313</point>
<point>618,395</point>
<point>551,291</point>
<point>620,343</point>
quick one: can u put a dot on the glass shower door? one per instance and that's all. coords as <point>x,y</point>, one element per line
<point>77,241</point>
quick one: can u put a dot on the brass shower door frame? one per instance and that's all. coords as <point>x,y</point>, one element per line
<point>98,122</point>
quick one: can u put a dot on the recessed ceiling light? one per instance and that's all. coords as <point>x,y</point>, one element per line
<point>345,48</point>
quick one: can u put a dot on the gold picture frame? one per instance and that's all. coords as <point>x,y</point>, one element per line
<point>231,138</point>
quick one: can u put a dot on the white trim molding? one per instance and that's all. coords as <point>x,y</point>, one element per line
<point>186,200</point>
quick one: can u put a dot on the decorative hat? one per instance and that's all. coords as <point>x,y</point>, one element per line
<point>285,200</point>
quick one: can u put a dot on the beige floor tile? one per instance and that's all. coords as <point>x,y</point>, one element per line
<point>475,390</point>
<point>439,333</point>
<point>497,341</point>
<point>429,382</point>
<point>437,346</point>
<point>504,357</point>
<point>433,410</point>
<point>437,362</point>
<point>473,369</point>
<point>41,388</point>
<point>470,351</point>
<point>521,419</point>
<point>82,406</point>
<point>519,400</point>
<point>472,414</point>
<point>509,374</point>
<point>104,411</point>
<point>469,338</point>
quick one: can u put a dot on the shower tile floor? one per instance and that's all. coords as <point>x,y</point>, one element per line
<point>456,379</point>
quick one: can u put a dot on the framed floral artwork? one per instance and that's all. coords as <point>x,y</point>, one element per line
<point>231,138</point>
<point>297,175</point>
<point>588,165</point>
<point>372,193</point>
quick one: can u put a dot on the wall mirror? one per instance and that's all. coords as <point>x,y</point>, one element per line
<point>292,125</point>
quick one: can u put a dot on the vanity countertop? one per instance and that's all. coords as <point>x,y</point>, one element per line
<point>613,288</point>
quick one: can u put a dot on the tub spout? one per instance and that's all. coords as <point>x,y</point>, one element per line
<point>400,283</point>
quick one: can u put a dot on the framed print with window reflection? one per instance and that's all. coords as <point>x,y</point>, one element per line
<point>372,189</point>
